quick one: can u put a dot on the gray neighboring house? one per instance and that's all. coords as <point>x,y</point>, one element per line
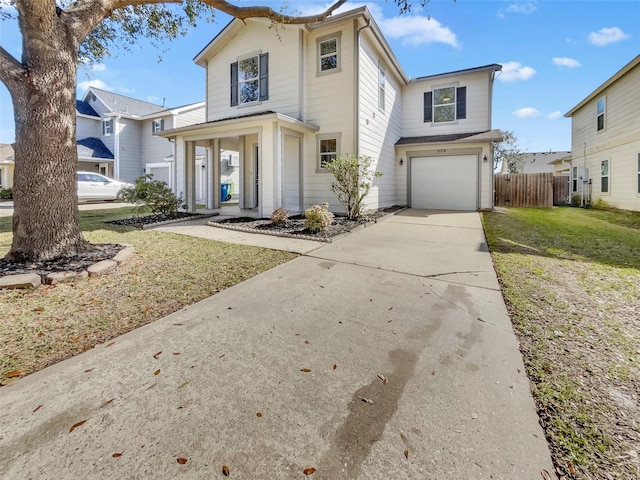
<point>546,162</point>
<point>116,135</point>
<point>6,165</point>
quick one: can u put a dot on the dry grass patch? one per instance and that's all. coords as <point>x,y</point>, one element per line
<point>42,326</point>
<point>571,280</point>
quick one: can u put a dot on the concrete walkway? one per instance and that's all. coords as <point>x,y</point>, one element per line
<point>392,341</point>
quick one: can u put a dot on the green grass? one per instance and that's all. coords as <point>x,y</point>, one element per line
<point>571,281</point>
<point>168,272</point>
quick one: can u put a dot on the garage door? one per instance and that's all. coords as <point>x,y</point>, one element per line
<point>445,183</point>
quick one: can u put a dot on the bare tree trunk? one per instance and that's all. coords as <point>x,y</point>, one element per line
<point>46,220</point>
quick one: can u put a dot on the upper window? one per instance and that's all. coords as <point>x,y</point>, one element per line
<point>446,104</point>
<point>604,176</point>
<point>328,148</point>
<point>157,126</point>
<point>382,83</point>
<point>250,80</point>
<point>601,108</point>
<point>107,127</point>
<point>328,54</point>
<point>574,179</point>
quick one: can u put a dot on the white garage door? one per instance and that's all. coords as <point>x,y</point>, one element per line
<point>445,183</point>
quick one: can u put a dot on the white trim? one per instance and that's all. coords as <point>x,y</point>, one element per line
<point>337,136</point>
<point>337,36</point>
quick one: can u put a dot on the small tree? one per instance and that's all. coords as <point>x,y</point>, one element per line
<point>507,152</point>
<point>152,195</point>
<point>353,179</point>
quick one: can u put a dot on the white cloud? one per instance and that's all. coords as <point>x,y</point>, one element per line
<point>524,8</point>
<point>554,115</point>
<point>512,71</point>
<point>566,62</point>
<point>527,112</point>
<point>607,35</point>
<point>153,99</point>
<point>99,67</point>
<point>82,86</point>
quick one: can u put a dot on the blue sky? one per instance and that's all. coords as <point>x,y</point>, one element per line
<point>554,53</point>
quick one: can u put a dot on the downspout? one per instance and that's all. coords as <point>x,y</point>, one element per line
<point>356,102</point>
<point>116,146</point>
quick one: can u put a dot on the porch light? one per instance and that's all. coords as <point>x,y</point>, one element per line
<point>401,162</point>
<point>484,159</point>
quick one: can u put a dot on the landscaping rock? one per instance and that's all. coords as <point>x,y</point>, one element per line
<point>22,280</point>
<point>64,277</point>
<point>100,268</point>
<point>124,254</point>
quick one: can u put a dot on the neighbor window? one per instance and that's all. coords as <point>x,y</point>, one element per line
<point>574,179</point>
<point>107,127</point>
<point>601,108</point>
<point>446,104</point>
<point>328,148</point>
<point>382,82</point>
<point>328,54</point>
<point>604,176</point>
<point>250,80</point>
<point>157,126</point>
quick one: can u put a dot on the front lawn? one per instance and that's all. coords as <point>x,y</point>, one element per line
<point>571,280</point>
<point>42,326</point>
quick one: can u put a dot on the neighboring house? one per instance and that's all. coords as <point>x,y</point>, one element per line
<point>562,164</point>
<point>117,135</point>
<point>6,165</point>
<point>605,141</point>
<point>545,162</point>
<point>289,103</point>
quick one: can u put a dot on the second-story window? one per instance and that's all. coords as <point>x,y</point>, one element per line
<point>601,108</point>
<point>446,104</point>
<point>250,80</point>
<point>157,126</point>
<point>328,54</point>
<point>107,127</point>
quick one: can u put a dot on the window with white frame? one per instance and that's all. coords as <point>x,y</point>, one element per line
<point>445,104</point>
<point>328,148</point>
<point>328,54</point>
<point>574,179</point>
<point>250,79</point>
<point>601,108</point>
<point>382,83</point>
<point>107,127</point>
<point>604,176</point>
<point>157,126</point>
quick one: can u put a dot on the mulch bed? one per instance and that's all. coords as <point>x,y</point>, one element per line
<point>146,220</point>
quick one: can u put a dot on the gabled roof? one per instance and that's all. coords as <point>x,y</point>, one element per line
<point>540,162</point>
<point>84,108</point>
<point>117,103</point>
<point>92,147</point>
<point>487,136</point>
<point>617,76</point>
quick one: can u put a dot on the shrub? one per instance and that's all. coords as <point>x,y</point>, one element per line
<point>152,195</point>
<point>353,179</point>
<point>6,193</point>
<point>318,217</point>
<point>575,200</point>
<point>279,215</point>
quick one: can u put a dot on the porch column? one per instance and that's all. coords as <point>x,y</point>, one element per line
<point>190,177</point>
<point>214,181</point>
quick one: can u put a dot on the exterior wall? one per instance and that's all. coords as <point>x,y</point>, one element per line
<point>86,127</point>
<point>618,142</point>
<point>155,149</point>
<point>190,117</point>
<point>256,37</point>
<point>478,106</point>
<point>379,130</point>
<point>129,155</point>
<point>485,170</point>
<point>6,175</point>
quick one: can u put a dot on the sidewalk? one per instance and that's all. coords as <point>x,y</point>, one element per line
<point>385,355</point>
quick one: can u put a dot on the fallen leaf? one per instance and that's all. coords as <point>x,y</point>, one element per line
<point>176,353</point>
<point>181,460</point>
<point>572,470</point>
<point>178,324</point>
<point>335,366</point>
<point>545,475</point>
<point>309,471</point>
<point>109,344</point>
<point>87,347</point>
<point>37,408</point>
<point>225,470</point>
<point>157,354</point>
<point>307,342</point>
<point>406,454</point>
<point>518,370</point>
<point>108,402</point>
<point>259,414</point>
<point>157,372</point>
<point>88,370</point>
<point>184,405</point>
<point>184,384</point>
<point>40,334</point>
<point>366,400</point>
<point>305,370</point>
<point>38,309</point>
<point>14,374</point>
<point>75,339</point>
<point>321,286</point>
<point>433,373</point>
<point>116,455</point>
<point>145,310</point>
<point>76,425</point>
<point>390,308</point>
<point>222,355</point>
<point>382,378</point>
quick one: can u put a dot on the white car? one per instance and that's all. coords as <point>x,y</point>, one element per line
<point>93,186</point>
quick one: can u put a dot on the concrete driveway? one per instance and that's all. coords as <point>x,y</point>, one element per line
<point>386,355</point>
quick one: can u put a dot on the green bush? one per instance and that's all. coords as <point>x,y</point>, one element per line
<point>152,195</point>
<point>280,215</point>
<point>318,217</point>
<point>6,193</point>
<point>575,200</point>
<point>353,179</point>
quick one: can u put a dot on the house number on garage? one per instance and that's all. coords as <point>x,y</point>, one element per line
<point>442,150</point>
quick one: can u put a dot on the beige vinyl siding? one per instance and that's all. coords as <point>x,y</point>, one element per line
<point>256,37</point>
<point>189,117</point>
<point>86,127</point>
<point>380,130</point>
<point>478,106</point>
<point>618,142</point>
<point>329,104</point>
<point>130,154</point>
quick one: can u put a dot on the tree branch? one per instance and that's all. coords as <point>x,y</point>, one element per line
<point>243,13</point>
<point>12,72</point>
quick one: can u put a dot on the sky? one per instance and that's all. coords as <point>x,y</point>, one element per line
<point>554,54</point>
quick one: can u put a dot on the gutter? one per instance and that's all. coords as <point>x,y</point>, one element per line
<point>356,93</point>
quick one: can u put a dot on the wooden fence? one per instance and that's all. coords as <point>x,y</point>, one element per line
<point>560,190</point>
<point>524,190</point>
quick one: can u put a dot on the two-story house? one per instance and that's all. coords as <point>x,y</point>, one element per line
<point>605,142</point>
<point>290,103</point>
<point>116,135</point>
